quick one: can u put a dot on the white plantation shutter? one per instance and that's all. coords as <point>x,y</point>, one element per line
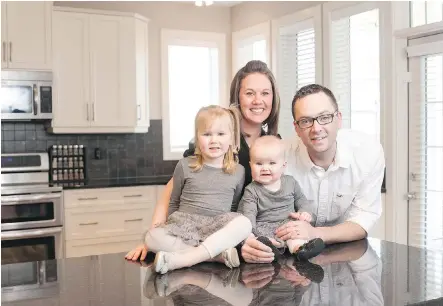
<point>251,49</point>
<point>250,44</point>
<point>355,66</point>
<point>426,163</point>
<point>296,62</point>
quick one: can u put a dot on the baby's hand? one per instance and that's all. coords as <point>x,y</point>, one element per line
<point>303,216</point>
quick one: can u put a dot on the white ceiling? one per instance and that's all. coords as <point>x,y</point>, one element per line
<point>219,2</point>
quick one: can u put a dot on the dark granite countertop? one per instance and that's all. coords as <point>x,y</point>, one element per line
<point>124,182</point>
<point>358,273</point>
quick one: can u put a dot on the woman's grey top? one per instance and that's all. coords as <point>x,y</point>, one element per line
<point>262,205</point>
<point>208,192</point>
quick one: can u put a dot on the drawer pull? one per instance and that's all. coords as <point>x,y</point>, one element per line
<point>133,220</point>
<point>90,223</point>
<point>133,196</point>
<point>87,199</point>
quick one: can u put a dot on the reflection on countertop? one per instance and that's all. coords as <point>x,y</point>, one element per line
<point>366,272</point>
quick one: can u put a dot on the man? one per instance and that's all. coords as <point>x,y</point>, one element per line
<point>340,171</point>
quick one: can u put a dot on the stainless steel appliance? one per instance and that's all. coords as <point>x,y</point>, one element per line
<point>32,210</point>
<point>26,95</point>
<point>30,280</point>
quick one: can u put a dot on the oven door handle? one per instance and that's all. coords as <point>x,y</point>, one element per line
<point>33,233</point>
<point>26,199</point>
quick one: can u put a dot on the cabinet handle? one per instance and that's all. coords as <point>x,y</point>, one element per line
<point>133,196</point>
<point>87,199</point>
<point>139,113</point>
<point>87,111</point>
<point>4,51</point>
<point>93,111</point>
<point>133,220</point>
<point>90,223</point>
<point>10,51</point>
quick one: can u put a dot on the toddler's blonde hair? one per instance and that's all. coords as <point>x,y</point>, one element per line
<point>204,118</point>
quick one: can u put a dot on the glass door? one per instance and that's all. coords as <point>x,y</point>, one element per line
<point>425,208</point>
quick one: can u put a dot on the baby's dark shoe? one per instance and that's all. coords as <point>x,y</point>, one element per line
<point>310,249</point>
<point>277,254</point>
<point>310,270</point>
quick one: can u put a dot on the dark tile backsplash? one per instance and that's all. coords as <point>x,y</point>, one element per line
<point>122,155</point>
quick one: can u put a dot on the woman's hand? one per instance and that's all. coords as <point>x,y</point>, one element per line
<point>138,253</point>
<point>253,251</point>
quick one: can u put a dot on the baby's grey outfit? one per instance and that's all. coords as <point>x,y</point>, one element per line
<point>201,202</point>
<point>267,210</point>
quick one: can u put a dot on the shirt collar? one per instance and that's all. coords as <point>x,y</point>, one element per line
<point>342,155</point>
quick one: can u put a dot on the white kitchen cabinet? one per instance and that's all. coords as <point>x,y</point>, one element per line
<point>26,35</point>
<point>106,220</point>
<point>100,72</point>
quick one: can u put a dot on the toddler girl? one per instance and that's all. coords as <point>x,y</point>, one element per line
<point>200,224</point>
<point>271,196</point>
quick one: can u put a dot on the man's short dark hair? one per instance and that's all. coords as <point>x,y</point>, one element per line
<point>310,90</point>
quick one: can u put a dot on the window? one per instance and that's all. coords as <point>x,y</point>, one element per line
<point>193,76</point>
<point>426,158</point>
<point>297,60</point>
<point>250,44</point>
<point>424,12</point>
<point>355,66</point>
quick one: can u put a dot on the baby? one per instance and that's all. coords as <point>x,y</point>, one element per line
<point>272,196</point>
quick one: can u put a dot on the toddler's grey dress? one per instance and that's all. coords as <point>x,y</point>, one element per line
<point>201,202</point>
<point>268,210</point>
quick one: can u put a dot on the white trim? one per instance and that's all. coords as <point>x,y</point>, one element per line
<point>312,13</point>
<point>337,10</point>
<point>99,12</point>
<point>396,140</point>
<point>347,11</point>
<point>189,38</point>
<point>420,31</point>
<point>257,32</point>
<point>425,49</point>
<point>97,130</point>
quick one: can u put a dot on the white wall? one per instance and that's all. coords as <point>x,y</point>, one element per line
<point>248,14</point>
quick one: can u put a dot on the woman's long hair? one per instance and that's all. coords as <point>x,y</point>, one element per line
<point>257,67</point>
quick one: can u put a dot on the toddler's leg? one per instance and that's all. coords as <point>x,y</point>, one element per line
<point>294,244</point>
<point>226,238</point>
<point>235,295</point>
<point>157,239</point>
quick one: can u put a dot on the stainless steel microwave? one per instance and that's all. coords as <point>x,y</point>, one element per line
<point>26,95</point>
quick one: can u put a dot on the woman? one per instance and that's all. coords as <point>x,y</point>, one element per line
<point>254,92</point>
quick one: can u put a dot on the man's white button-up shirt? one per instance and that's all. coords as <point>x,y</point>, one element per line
<point>350,189</point>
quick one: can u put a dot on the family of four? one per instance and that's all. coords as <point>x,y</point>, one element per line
<point>243,191</point>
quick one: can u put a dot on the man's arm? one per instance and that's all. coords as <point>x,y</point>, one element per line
<point>364,212</point>
<point>365,209</point>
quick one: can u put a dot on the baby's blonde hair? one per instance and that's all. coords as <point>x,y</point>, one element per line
<point>205,118</point>
<point>268,142</point>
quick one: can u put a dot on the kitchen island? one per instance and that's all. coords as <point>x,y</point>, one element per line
<point>366,272</point>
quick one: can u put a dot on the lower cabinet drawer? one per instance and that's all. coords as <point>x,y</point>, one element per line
<point>98,246</point>
<point>87,225</point>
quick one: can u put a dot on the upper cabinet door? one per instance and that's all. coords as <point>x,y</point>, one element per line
<point>4,37</point>
<point>28,34</point>
<point>142,79</point>
<point>108,51</point>
<point>71,91</point>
